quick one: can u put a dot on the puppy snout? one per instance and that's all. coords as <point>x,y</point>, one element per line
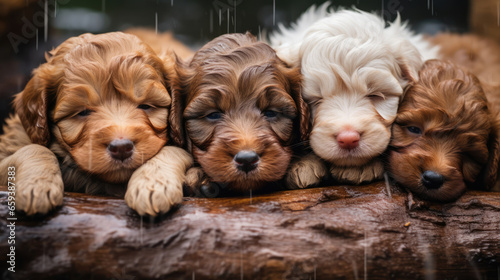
<point>121,149</point>
<point>246,161</point>
<point>348,139</point>
<point>432,180</point>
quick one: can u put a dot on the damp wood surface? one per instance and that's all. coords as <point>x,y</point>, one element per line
<point>339,232</point>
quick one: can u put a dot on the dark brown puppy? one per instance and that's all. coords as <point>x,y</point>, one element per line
<point>243,111</point>
<point>445,138</point>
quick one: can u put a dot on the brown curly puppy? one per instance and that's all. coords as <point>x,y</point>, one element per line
<point>94,117</point>
<point>243,111</point>
<point>445,138</point>
<point>480,56</point>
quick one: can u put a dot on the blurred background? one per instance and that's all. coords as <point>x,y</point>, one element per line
<point>29,28</point>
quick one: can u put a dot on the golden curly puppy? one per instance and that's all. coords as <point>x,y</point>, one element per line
<point>161,42</point>
<point>243,111</point>
<point>445,136</point>
<point>94,119</point>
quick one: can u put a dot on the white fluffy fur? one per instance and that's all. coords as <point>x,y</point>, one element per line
<point>355,70</point>
<point>286,42</point>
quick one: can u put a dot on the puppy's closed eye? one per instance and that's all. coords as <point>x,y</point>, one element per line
<point>243,111</point>
<point>100,107</point>
<point>144,107</point>
<point>270,114</point>
<point>214,116</point>
<point>84,113</point>
<point>376,96</point>
<point>414,130</point>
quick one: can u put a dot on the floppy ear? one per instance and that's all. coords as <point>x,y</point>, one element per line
<point>31,106</point>
<point>302,122</point>
<point>489,174</point>
<point>176,84</point>
<point>409,72</point>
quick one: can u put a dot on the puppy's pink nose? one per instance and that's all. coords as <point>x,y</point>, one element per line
<point>348,139</point>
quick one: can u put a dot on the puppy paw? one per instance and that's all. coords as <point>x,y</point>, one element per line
<point>372,171</point>
<point>198,184</point>
<point>306,172</point>
<point>195,178</point>
<point>38,182</point>
<point>156,186</point>
<point>39,195</point>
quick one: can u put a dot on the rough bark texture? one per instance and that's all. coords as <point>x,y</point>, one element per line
<point>324,233</point>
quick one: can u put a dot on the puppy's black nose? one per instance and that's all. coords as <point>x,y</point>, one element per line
<point>121,149</point>
<point>246,160</point>
<point>432,180</point>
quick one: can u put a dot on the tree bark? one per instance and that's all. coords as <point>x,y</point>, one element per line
<point>341,232</point>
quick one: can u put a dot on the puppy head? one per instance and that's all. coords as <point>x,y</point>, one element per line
<point>444,137</point>
<point>103,99</point>
<point>354,74</point>
<point>243,108</point>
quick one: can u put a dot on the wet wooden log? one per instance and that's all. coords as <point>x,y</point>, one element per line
<point>337,232</point>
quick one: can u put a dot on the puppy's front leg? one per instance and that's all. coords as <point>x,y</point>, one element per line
<point>305,172</point>
<point>38,180</point>
<point>198,184</point>
<point>157,185</point>
<point>195,179</point>
<point>372,171</point>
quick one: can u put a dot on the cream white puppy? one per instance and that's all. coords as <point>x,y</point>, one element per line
<point>354,71</point>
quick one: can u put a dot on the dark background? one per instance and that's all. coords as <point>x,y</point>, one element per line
<point>193,22</point>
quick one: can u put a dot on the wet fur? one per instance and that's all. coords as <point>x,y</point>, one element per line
<point>110,75</point>
<point>354,71</point>
<point>460,133</point>
<point>161,42</point>
<point>240,77</point>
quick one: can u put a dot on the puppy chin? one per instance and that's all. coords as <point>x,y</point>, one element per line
<point>95,159</point>
<point>219,165</point>
<point>335,116</point>
<point>449,191</point>
<point>405,169</point>
<point>104,167</point>
<point>117,176</point>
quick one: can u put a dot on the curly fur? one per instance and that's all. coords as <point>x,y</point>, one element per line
<point>480,56</point>
<point>161,43</point>
<point>107,77</point>
<point>241,78</point>
<point>355,70</point>
<point>459,138</point>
